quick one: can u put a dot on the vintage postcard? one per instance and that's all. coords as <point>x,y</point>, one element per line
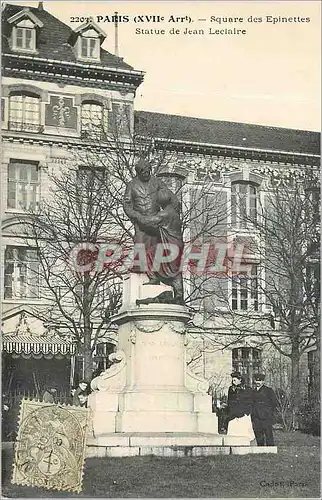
<point>160,248</point>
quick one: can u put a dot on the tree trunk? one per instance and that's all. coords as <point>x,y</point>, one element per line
<point>295,383</point>
<point>88,363</point>
<point>316,388</point>
<point>88,360</point>
<point>87,352</point>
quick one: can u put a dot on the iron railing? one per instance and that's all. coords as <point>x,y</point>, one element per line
<point>25,127</point>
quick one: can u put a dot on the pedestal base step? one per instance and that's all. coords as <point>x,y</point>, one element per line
<point>170,445</point>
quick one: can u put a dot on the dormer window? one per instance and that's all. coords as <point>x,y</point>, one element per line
<point>87,40</point>
<point>24,31</point>
<point>25,38</point>
<point>90,47</point>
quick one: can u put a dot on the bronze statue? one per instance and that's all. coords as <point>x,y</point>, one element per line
<point>155,213</point>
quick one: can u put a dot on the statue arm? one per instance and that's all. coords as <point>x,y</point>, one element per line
<point>162,185</point>
<point>152,220</point>
<point>174,199</point>
<point>132,214</point>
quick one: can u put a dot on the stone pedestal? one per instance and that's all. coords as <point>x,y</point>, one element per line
<point>148,391</point>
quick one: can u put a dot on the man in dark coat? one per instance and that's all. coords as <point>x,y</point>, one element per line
<point>264,404</point>
<point>82,389</point>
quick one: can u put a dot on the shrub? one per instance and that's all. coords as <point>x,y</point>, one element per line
<point>310,422</point>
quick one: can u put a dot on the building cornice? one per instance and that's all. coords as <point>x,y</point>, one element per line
<point>86,75</point>
<point>53,140</point>
<point>239,153</point>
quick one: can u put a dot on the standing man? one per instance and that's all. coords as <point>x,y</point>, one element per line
<point>264,404</point>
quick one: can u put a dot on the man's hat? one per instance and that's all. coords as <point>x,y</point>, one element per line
<point>259,376</point>
<point>236,375</point>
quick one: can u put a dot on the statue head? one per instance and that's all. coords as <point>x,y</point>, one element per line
<point>143,170</point>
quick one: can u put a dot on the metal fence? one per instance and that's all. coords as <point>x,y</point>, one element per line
<point>11,408</point>
<point>15,397</point>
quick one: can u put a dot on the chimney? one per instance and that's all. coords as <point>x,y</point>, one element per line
<point>116,34</point>
<point>41,6</point>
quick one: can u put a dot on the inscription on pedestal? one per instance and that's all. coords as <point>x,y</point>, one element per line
<point>161,357</point>
<point>161,343</point>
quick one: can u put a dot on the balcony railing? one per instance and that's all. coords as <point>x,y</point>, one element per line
<point>25,127</point>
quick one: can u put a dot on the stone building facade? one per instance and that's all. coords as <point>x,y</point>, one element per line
<point>59,88</point>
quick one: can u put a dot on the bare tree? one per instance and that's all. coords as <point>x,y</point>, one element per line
<point>289,225</point>
<point>68,233</point>
<point>285,242</point>
<point>82,215</point>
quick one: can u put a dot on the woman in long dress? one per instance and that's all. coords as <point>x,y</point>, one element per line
<point>239,408</point>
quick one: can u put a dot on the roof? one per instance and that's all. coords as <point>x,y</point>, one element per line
<point>199,130</point>
<point>53,39</point>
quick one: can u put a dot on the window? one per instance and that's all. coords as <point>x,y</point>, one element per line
<point>90,190</point>
<point>24,113</point>
<point>24,25</point>
<point>247,361</point>
<point>25,38</point>
<point>245,290</point>
<point>94,120</point>
<point>101,354</point>
<point>23,185</point>
<point>313,200</point>
<point>90,47</point>
<point>21,277</point>
<point>243,204</point>
<point>121,119</point>
<point>87,175</point>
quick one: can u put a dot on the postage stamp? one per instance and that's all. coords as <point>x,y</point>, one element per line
<point>50,446</point>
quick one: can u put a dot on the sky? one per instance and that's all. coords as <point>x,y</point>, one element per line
<point>268,76</point>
